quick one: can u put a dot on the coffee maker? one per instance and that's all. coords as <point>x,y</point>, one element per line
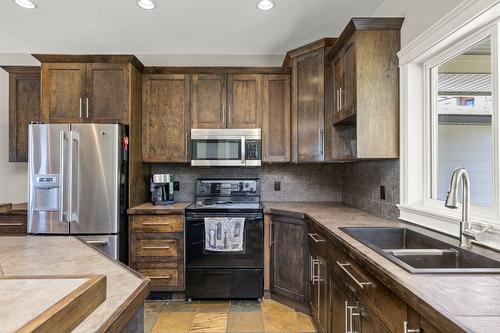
<point>161,186</point>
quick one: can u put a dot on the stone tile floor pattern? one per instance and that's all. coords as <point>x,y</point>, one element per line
<point>235,316</point>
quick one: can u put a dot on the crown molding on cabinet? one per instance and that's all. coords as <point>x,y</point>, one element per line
<point>90,58</point>
<point>215,70</point>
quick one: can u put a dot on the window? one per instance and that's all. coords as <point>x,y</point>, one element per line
<point>450,118</point>
<point>462,133</point>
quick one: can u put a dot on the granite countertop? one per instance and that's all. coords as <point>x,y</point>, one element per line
<point>470,301</point>
<point>149,208</point>
<point>67,255</point>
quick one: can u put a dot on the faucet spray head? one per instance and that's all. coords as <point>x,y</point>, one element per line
<point>452,196</point>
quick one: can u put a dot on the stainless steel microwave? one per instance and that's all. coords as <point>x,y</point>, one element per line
<point>226,147</point>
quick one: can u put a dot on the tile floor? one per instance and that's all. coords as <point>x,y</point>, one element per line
<point>224,316</point>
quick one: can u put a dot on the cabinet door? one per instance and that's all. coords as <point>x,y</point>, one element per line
<point>339,306</point>
<point>308,106</point>
<point>348,96</point>
<point>366,320</point>
<point>243,96</point>
<point>338,84</point>
<point>24,107</point>
<point>208,101</point>
<point>276,118</point>
<point>63,92</point>
<point>107,98</point>
<point>289,259</point>
<point>165,117</point>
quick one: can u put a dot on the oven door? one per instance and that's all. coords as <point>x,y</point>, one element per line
<point>218,150</point>
<point>251,256</point>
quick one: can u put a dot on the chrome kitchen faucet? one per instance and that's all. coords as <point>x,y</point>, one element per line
<point>466,232</point>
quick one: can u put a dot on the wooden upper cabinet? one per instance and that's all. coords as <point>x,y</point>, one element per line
<point>244,93</point>
<point>165,117</point>
<point>276,118</point>
<point>208,101</point>
<point>63,92</point>
<point>89,88</point>
<point>308,106</point>
<point>24,107</point>
<point>367,125</point>
<point>107,96</point>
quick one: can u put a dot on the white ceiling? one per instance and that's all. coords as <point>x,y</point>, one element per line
<point>195,27</point>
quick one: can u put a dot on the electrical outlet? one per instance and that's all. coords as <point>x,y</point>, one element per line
<point>277,186</point>
<point>176,186</point>
<point>382,192</point>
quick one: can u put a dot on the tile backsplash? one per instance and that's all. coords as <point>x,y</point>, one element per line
<point>361,182</point>
<point>356,184</point>
<point>299,182</point>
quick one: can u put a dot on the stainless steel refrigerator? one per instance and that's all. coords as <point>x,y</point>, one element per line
<point>78,183</point>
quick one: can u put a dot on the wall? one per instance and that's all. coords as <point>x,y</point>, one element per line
<point>13,176</point>
<point>304,182</point>
<point>419,15</point>
<point>361,183</point>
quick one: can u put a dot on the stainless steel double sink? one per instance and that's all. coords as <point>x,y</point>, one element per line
<point>420,253</point>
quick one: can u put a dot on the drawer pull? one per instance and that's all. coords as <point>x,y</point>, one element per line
<point>11,224</point>
<point>408,330</point>
<point>360,284</point>
<point>166,277</point>
<point>156,247</point>
<point>156,223</point>
<point>316,240</point>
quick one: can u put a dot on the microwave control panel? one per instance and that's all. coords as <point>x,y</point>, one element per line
<point>253,149</point>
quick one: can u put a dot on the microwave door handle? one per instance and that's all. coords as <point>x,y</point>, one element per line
<point>243,152</point>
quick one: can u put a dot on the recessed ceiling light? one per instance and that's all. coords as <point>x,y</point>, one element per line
<point>26,4</point>
<point>146,4</point>
<point>265,5</point>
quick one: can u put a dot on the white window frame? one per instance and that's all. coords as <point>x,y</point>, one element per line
<point>470,22</point>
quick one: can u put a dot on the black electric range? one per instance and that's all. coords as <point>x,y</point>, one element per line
<point>224,240</point>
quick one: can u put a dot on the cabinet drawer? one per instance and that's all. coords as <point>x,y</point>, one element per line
<point>388,307</point>
<point>158,223</point>
<point>13,225</point>
<point>161,276</point>
<point>156,248</point>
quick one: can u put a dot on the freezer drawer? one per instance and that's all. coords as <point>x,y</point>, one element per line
<point>107,244</point>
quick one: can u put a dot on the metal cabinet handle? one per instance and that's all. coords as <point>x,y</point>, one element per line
<point>98,242</point>
<point>80,107</point>
<point>186,146</point>
<point>360,284</point>
<point>156,247</point>
<point>314,276</point>
<point>316,240</point>
<point>271,233</point>
<point>167,277</point>
<point>87,107</point>
<point>155,223</point>
<point>407,330</point>
<point>223,115</point>
<point>229,114</point>
<point>320,141</point>
<point>10,224</point>
<point>346,316</point>
<point>341,101</point>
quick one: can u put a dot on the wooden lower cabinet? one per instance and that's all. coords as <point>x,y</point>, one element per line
<point>13,224</point>
<point>319,278</point>
<point>289,257</point>
<point>157,250</point>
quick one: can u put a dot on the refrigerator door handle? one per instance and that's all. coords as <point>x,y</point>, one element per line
<point>75,160</point>
<point>62,139</point>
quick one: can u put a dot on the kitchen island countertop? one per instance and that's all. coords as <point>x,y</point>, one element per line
<point>68,256</point>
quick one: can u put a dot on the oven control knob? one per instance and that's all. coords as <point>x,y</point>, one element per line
<point>246,185</point>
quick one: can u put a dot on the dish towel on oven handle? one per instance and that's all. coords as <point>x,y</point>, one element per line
<point>224,234</point>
